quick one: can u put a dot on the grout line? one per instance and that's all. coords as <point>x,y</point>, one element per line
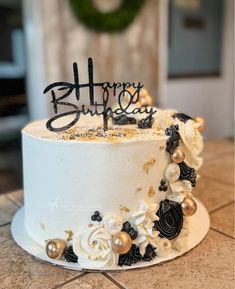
<point>5,224</point>
<point>222,233</point>
<point>223,206</point>
<point>11,191</point>
<point>110,278</point>
<point>70,280</point>
<point>18,204</point>
<point>3,241</point>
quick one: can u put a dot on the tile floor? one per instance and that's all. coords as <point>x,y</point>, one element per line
<point>210,265</point>
<point>10,164</point>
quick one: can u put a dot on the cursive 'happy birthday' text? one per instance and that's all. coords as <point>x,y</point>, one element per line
<point>119,90</point>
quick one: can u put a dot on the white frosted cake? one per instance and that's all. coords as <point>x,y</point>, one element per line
<point>115,198</point>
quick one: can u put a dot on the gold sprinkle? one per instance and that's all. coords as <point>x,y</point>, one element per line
<point>162,146</point>
<point>148,165</point>
<point>151,192</point>
<point>66,137</point>
<point>124,209</point>
<point>69,235</point>
<point>113,135</point>
<point>138,188</point>
<point>97,258</point>
<point>112,139</point>
<point>90,225</point>
<point>165,244</point>
<point>43,226</point>
<point>72,130</point>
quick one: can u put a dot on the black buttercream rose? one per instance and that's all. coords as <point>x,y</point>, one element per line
<point>146,122</point>
<point>187,173</point>
<point>182,117</point>
<point>124,119</point>
<point>174,137</point>
<point>131,257</point>
<point>69,255</point>
<point>170,220</point>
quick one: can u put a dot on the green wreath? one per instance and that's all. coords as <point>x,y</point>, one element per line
<point>113,21</point>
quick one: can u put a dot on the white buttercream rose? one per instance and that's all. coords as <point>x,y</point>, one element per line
<point>179,197</point>
<point>143,220</point>
<point>191,142</point>
<point>180,190</point>
<point>181,186</point>
<point>113,224</point>
<point>93,246</point>
<point>163,119</point>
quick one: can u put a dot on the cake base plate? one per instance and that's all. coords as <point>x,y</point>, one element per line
<point>199,226</point>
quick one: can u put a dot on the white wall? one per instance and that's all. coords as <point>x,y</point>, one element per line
<point>211,98</point>
<point>36,82</point>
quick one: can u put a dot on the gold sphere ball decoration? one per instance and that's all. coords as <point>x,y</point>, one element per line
<point>144,92</point>
<point>178,156</point>
<point>55,248</point>
<point>201,122</point>
<point>121,243</point>
<point>145,100</point>
<point>189,207</point>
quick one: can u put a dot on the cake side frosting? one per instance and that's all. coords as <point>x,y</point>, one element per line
<point>72,178</point>
<point>127,186</point>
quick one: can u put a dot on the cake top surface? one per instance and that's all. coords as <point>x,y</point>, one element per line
<point>91,130</point>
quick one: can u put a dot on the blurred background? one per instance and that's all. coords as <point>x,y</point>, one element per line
<point>181,50</point>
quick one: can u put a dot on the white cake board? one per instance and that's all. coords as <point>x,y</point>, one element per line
<point>199,226</point>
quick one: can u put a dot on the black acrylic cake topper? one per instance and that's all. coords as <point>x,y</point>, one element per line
<point>106,110</point>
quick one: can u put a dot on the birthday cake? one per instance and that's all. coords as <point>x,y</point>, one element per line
<point>111,190</point>
<point>129,185</point>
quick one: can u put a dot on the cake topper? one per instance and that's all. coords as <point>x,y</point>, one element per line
<point>119,90</point>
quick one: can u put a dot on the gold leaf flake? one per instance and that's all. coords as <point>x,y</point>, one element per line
<point>138,188</point>
<point>162,146</point>
<point>151,192</point>
<point>69,235</point>
<point>43,226</point>
<point>148,165</point>
<point>124,209</point>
